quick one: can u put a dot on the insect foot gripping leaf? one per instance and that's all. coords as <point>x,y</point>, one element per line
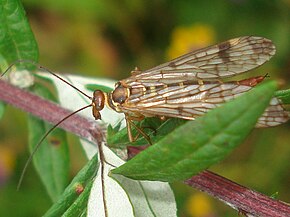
<point>199,144</point>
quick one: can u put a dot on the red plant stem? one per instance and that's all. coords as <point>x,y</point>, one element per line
<point>49,111</point>
<point>240,198</point>
<point>246,201</point>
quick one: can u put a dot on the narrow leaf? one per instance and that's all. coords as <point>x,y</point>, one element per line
<point>17,39</point>
<point>52,158</point>
<point>71,200</point>
<point>2,108</point>
<point>80,204</point>
<point>283,95</point>
<point>199,144</point>
<point>93,87</point>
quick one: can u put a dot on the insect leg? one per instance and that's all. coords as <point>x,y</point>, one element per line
<point>154,131</point>
<point>129,130</point>
<point>129,123</point>
<point>140,131</point>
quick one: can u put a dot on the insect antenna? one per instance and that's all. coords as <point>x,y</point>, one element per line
<point>41,140</point>
<point>57,124</point>
<point>46,70</point>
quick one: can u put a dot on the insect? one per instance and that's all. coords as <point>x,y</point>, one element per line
<point>186,87</point>
<point>191,85</point>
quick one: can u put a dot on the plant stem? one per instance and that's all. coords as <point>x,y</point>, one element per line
<point>50,112</point>
<point>244,200</point>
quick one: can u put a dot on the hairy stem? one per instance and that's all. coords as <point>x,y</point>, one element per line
<point>240,198</point>
<point>245,200</point>
<point>49,111</point>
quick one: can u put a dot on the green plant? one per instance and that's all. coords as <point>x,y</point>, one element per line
<point>176,156</point>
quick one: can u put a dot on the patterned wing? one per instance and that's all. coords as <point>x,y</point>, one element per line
<point>182,100</point>
<point>226,59</point>
<point>274,115</point>
<point>192,100</point>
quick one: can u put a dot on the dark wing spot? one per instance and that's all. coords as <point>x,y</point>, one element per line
<point>223,54</point>
<point>224,46</point>
<point>172,64</point>
<point>180,110</point>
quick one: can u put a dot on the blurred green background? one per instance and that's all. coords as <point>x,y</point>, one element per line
<point>108,39</point>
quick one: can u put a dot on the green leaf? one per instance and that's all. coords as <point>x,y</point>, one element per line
<point>2,109</point>
<point>18,43</point>
<point>196,145</point>
<point>283,95</point>
<point>94,87</point>
<point>16,37</point>
<point>71,203</point>
<point>52,158</point>
<point>153,127</point>
<point>80,205</point>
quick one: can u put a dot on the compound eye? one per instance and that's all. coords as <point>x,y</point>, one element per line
<point>119,95</point>
<point>98,100</point>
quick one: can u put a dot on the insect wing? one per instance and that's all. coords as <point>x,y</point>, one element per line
<point>274,115</point>
<point>193,100</point>
<point>226,59</point>
<point>181,100</point>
